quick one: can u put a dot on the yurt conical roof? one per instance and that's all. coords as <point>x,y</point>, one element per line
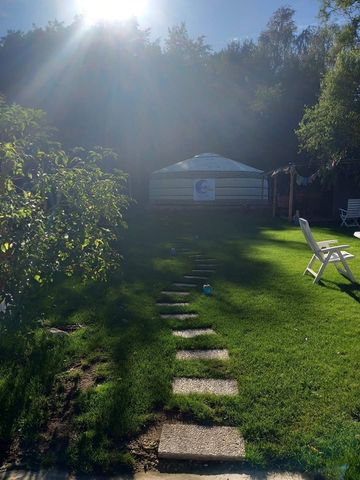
<point>209,162</point>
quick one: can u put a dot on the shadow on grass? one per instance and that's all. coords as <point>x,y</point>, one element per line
<point>256,310</point>
<point>351,289</point>
<point>123,327</point>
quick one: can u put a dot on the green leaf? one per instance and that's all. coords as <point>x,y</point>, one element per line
<point>9,185</point>
<point>5,247</point>
<point>98,242</point>
<point>85,244</point>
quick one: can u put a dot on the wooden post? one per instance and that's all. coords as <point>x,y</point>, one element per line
<point>274,196</point>
<point>291,192</point>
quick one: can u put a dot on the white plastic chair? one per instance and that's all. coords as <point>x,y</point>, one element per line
<point>326,254</point>
<point>350,217</point>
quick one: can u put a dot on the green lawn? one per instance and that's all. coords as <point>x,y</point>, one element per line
<point>294,349</point>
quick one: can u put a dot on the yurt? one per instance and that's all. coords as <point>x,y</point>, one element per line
<point>208,179</point>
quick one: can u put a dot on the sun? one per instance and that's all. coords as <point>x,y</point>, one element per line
<point>111,10</point>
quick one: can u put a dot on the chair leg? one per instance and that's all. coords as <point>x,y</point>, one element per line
<point>320,272</point>
<point>308,269</point>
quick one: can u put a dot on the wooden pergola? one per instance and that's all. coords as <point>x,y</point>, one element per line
<point>290,170</point>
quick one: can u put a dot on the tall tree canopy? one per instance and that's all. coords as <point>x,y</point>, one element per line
<point>330,130</point>
<point>155,105</point>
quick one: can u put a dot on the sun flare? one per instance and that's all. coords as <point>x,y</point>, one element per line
<point>111,10</point>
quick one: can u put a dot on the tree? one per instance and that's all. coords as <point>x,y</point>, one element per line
<point>277,41</point>
<point>59,212</point>
<point>179,44</point>
<point>115,87</point>
<point>349,8</point>
<point>330,131</point>
<point>349,11</point>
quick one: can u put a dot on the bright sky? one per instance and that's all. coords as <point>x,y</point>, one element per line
<point>219,20</point>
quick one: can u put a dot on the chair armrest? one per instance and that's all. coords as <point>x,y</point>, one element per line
<point>326,243</point>
<point>334,249</point>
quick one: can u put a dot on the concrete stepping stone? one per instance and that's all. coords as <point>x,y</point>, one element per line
<point>179,316</point>
<point>248,474</point>
<point>58,332</point>
<point>194,277</point>
<point>185,285</point>
<point>197,442</point>
<point>175,292</point>
<point>207,265</point>
<point>215,386</point>
<point>193,332</point>
<point>205,259</point>
<point>53,474</point>
<point>174,304</point>
<point>202,355</point>
<point>202,271</point>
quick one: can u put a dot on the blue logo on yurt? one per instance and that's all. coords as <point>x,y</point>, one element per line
<point>204,189</point>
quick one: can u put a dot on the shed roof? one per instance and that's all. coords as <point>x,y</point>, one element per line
<point>209,162</point>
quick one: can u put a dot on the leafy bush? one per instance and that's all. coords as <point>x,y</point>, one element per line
<point>59,212</point>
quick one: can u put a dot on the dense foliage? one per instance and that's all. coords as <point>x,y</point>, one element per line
<point>348,9</point>
<point>330,130</point>
<point>59,212</point>
<point>159,103</point>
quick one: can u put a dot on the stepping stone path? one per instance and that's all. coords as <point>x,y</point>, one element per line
<point>195,442</point>
<point>184,441</point>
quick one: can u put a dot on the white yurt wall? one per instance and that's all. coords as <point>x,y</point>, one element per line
<point>208,179</point>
